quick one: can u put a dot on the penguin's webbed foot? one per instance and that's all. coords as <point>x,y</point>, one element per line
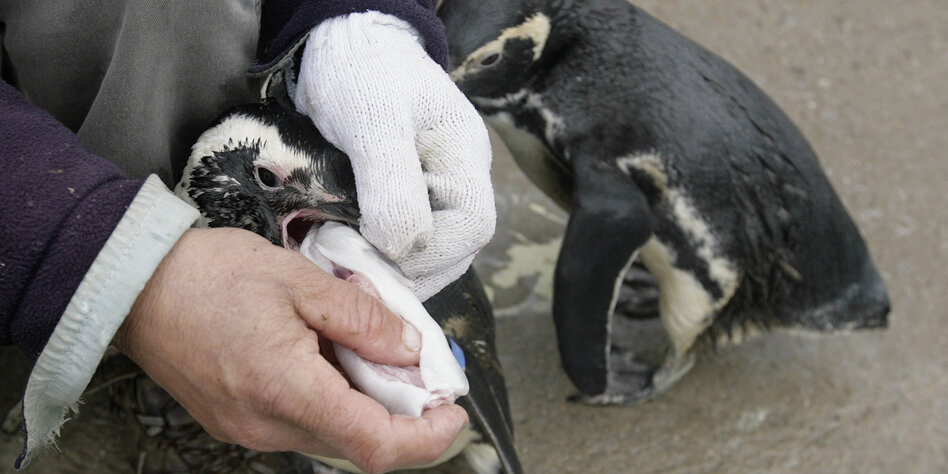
<point>638,295</point>
<point>642,364</point>
<point>638,382</point>
<point>630,381</point>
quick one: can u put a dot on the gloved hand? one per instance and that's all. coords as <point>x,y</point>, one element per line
<point>419,150</point>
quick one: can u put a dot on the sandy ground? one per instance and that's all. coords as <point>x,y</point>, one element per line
<point>864,80</point>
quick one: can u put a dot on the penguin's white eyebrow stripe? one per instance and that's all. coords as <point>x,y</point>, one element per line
<point>274,152</point>
<point>535,28</point>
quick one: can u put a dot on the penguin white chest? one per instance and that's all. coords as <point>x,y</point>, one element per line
<point>534,158</point>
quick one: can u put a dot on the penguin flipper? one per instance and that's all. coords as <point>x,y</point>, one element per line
<point>610,221</point>
<point>638,296</point>
<point>465,314</point>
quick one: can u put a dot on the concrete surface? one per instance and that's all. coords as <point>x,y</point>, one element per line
<point>866,82</point>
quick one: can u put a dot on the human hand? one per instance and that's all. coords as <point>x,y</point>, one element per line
<point>235,329</point>
<point>419,150</point>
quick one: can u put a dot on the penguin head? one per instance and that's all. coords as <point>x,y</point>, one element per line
<point>495,45</point>
<point>268,170</point>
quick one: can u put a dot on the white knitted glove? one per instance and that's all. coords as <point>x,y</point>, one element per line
<point>419,150</point>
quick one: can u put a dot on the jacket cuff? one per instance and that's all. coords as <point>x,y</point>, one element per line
<point>146,233</point>
<point>286,25</point>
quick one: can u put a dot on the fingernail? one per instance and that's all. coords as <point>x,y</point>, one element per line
<point>411,338</point>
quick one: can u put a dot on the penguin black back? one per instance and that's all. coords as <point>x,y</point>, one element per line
<point>663,152</point>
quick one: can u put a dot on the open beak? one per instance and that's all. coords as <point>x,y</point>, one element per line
<point>296,224</point>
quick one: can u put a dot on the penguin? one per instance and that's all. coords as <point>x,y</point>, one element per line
<point>665,154</point>
<point>264,168</point>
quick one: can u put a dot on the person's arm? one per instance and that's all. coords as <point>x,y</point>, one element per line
<point>78,241</point>
<point>66,289</point>
<point>189,312</point>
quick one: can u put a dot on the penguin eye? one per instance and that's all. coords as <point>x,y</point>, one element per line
<point>490,59</point>
<point>268,178</point>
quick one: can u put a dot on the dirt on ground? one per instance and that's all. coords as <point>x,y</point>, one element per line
<point>866,82</point>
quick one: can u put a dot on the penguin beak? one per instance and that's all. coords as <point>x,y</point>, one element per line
<point>296,224</point>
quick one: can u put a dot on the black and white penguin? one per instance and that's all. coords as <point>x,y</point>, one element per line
<point>263,168</point>
<point>665,153</point>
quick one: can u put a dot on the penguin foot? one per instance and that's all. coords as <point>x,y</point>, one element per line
<point>613,398</point>
<point>637,354</point>
<point>638,295</point>
<point>630,381</point>
<point>673,369</point>
<point>634,379</point>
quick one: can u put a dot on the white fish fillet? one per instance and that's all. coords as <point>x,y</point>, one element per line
<point>439,379</point>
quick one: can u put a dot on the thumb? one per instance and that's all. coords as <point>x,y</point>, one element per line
<point>343,313</point>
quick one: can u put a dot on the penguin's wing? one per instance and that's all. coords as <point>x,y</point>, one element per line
<point>464,313</point>
<point>610,221</point>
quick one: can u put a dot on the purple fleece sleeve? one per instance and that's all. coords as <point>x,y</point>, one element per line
<point>284,22</point>
<point>58,205</point>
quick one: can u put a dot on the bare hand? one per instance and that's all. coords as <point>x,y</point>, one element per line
<point>233,327</point>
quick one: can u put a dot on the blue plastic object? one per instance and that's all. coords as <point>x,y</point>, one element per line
<point>458,352</point>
